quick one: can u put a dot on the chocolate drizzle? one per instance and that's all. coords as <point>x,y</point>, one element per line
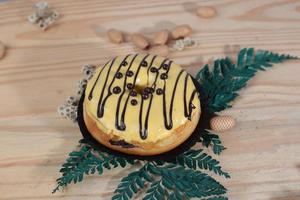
<point>184,95</point>
<point>121,125</point>
<point>145,94</point>
<point>191,105</point>
<point>144,130</point>
<point>92,90</point>
<point>152,69</point>
<point>169,124</point>
<point>116,90</point>
<point>121,143</point>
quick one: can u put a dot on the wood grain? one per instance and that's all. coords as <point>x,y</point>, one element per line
<point>40,70</point>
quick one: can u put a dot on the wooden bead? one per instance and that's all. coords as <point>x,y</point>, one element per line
<point>222,123</point>
<point>115,36</point>
<point>161,37</point>
<point>160,50</point>
<point>2,50</point>
<point>139,41</point>
<point>181,31</point>
<point>206,12</point>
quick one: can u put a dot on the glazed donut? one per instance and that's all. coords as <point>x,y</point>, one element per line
<point>141,104</point>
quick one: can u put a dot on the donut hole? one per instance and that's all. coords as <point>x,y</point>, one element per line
<point>140,85</point>
<point>139,88</point>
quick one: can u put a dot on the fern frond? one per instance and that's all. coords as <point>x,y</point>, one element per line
<point>175,195</point>
<point>132,183</point>
<point>210,139</point>
<point>216,198</point>
<point>197,158</point>
<point>226,79</point>
<point>74,168</point>
<point>188,182</point>
<point>156,191</point>
<point>87,161</point>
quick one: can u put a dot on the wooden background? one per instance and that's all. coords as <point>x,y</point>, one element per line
<point>40,70</point>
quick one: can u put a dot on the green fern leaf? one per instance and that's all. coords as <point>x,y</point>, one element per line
<point>175,196</point>
<point>213,140</point>
<point>188,182</point>
<point>198,159</point>
<point>84,162</point>
<point>226,79</point>
<point>132,183</point>
<point>155,192</point>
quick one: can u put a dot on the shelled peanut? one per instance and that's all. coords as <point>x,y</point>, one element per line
<point>140,41</point>
<point>115,36</point>
<point>161,37</point>
<point>206,11</point>
<point>161,50</point>
<point>181,31</point>
<point>158,44</point>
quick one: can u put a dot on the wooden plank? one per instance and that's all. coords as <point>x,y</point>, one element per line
<point>41,69</point>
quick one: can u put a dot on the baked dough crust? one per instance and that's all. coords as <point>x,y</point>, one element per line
<point>178,136</point>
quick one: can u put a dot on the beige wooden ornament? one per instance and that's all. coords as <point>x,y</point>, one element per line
<point>222,123</point>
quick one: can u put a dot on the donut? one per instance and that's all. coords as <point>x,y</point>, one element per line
<point>141,104</point>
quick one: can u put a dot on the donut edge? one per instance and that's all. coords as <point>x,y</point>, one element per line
<point>179,135</point>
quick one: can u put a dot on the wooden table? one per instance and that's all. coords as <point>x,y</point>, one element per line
<point>40,70</point>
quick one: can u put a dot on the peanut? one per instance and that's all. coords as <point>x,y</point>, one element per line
<point>160,50</point>
<point>222,123</point>
<point>206,12</point>
<point>115,36</point>
<point>181,31</point>
<point>139,41</point>
<point>161,37</point>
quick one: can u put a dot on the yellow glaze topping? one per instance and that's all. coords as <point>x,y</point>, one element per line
<point>141,98</point>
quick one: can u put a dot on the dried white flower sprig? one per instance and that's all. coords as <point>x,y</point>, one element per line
<point>68,110</point>
<point>181,44</point>
<point>44,16</point>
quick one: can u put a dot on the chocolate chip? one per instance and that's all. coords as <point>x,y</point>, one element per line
<point>129,73</point>
<point>116,90</point>
<point>119,75</point>
<point>159,91</point>
<point>133,102</point>
<point>133,93</point>
<point>153,70</point>
<point>129,86</point>
<point>124,63</point>
<point>166,66</point>
<point>145,96</point>
<point>144,64</point>
<point>147,90</point>
<point>163,76</point>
